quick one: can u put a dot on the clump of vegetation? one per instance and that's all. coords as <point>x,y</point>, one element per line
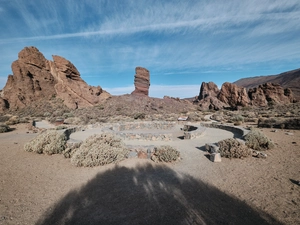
<point>287,123</point>
<point>139,116</point>
<point>99,150</point>
<point>165,153</point>
<point>258,141</point>
<point>12,120</point>
<point>4,128</point>
<point>49,142</point>
<point>238,120</point>
<point>232,148</point>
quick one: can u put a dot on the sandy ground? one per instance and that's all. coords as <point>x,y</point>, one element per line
<point>42,189</point>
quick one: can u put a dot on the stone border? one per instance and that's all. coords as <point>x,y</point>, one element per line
<point>197,132</point>
<point>234,129</point>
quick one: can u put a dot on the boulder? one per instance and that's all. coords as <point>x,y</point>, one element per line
<point>141,81</point>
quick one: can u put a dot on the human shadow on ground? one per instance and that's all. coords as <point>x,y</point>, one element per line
<point>150,194</point>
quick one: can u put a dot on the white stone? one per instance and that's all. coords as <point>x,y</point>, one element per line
<point>215,157</point>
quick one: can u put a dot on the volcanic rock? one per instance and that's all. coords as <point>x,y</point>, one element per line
<point>234,96</point>
<point>289,79</point>
<point>35,78</point>
<point>209,89</point>
<point>207,98</point>
<point>71,87</point>
<point>270,93</point>
<point>141,81</point>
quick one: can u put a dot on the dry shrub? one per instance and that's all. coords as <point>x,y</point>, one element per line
<point>4,128</point>
<point>258,141</point>
<point>165,153</point>
<point>232,148</point>
<point>50,142</point>
<point>98,150</point>
<point>13,120</point>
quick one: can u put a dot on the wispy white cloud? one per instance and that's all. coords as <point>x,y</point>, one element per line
<point>173,39</point>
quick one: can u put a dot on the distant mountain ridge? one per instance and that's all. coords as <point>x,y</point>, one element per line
<point>289,79</point>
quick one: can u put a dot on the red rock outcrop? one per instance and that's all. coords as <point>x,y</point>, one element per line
<point>270,93</point>
<point>34,78</point>
<point>141,81</point>
<point>209,89</point>
<point>233,96</point>
<point>71,87</point>
<point>207,98</point>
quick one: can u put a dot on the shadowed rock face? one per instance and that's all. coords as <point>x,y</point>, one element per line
<point>34,78</point>
<point>141,81</point>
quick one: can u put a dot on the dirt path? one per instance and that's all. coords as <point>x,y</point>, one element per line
<point>48,189</point>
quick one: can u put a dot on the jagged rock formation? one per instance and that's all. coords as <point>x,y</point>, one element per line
<point>232,96</point>
<point>289,79</point>
<point>270,93</point>
<point>208,97</point>
<point>141,81</point>
<point>209,89</point>
<point>34,78</point>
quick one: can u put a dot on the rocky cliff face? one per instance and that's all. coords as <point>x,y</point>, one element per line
<point>232,96</point>
<point>141,81</point>
<point>34,78</point>
<point>270,93</point>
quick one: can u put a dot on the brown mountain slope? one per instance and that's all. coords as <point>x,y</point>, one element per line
<point>290,79</point>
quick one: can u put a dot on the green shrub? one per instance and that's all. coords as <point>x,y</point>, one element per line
<point>165,153</point>
<point>258,141</point>
<point>139,116</point>
<point>4,128</point>
<point>232,148</point>
<point>99,150</point>
<point>50,142</point>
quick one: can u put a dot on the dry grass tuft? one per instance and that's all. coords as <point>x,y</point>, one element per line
<point>232,148</point>
<point>165,153</point>
<point>50,142</point>
<point>99,150</point>
<point>258,141</point>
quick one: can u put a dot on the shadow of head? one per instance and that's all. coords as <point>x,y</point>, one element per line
<point>150,195</point>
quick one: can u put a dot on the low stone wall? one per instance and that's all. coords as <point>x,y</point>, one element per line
<point>198,132</point>
<point>240,131</point>
<point>145,136</point>
<point>143,126</point>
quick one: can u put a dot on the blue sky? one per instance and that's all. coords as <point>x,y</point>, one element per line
<point>181,42</point>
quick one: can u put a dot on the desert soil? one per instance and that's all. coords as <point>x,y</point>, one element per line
<point>43,189</point>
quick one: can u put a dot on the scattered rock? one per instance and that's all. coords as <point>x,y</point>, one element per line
<point>259,154</point>
<point>212,148</point>
<point>142,155</point>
